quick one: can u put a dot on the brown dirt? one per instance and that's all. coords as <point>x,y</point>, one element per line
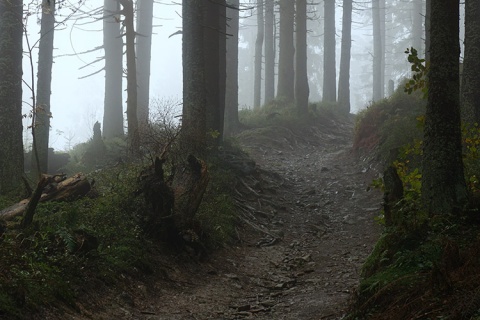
<point>307,225</point>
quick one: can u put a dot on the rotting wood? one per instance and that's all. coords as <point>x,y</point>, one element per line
<point>55,189</point>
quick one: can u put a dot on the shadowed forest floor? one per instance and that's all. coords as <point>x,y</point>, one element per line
<point>307,225</point>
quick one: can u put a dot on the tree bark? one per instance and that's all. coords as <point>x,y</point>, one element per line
<point>377,51</point>
<point>443,182</point>
<point>471,64</point>
<point>11,143</point>
<point>193,136</point>
<point>144,48</point>
<point>113,46</point>
<point>132,120</point>
<point>344,75</point>
<point>215,54</point>
<point>231,93</point>
<point>44,85</point>
<point>286,72</point>
<point>329,69</point>
<point>269,50</point>
<point>302,90</point>
<point>257,82</point>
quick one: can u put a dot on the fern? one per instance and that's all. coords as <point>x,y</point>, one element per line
<point>68,239</point>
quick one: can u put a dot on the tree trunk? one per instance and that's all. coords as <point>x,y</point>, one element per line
<point>428,10</point>
<point>286,72</point>
<point>231,93</point>
<point>132,120</point>
<point>471,63</point>
<point>269,50</point>
<point>222,69</point>
<point>344,76</point>
<point>417,25</point>
<point>144,48</point>
<point>302,90</point>
<point>443,182</point>
<point>193,136</point>
<point>113,46</point>
<point>214,51</point>
<point>257,83</point>
<point>329,69</point>
<point>11,146</point>
<point>377,51</point>
<point>44,85</point>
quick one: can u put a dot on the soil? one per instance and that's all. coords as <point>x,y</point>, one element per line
<point>307,225</point>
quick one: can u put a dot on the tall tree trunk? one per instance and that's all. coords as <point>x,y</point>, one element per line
<point>286,72</point>
<point>382,49</point>
<point>302,90</point>
<point>132,120</point>
<point>11,147</point>
<point>257,83</point>
<point>471,63</point>
<point>428,13</point>
<point>417,25</point>
<point>329,76</point>
<point>193,136</point>
<point>222,68</point>
<point>144,48</point>
<point>443,182</point>
<point>377,51</point>
<point>344,76</point>
<point>113,46</point>
<point>44,85</point>
<point>231,93</point>
<point>214,51</point>
<point>269,50</point>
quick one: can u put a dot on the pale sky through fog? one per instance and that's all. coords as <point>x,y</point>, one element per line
<point>77,103</point>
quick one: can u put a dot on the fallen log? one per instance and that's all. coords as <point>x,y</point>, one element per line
<point>57,189</point>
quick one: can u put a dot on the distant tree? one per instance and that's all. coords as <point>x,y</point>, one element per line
<point>443,182</point>
<point>286,72</point>
<point>143,52</point>
<point>378,50</point>
<point>344,76</point>
<point>11,148</point>
<point>113,46</point>
<point>471,63</point>
<point>44,84</point>
<point>417,25</point>
<point>269,50</point>
<point>257,83</point>
<point>302,90</point>
<point>231,93</point>
<point>132,120</point>
<point>329,69</point>
<point>193,136</point>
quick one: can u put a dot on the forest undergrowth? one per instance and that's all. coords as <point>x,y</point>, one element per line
<point>423,266</point>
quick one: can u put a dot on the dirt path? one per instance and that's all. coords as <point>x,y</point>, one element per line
<point>313,214</point>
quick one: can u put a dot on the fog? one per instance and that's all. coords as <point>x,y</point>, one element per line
<point>77,103</point>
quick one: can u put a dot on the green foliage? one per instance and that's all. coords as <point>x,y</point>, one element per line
<point>389,124</point>
<point>47,262</point>
<point>83,160</point>
<point>420,71</point>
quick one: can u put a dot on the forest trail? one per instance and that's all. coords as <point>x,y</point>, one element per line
<point>309,203</point>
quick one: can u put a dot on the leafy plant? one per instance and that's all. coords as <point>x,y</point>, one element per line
<point>420,70</point>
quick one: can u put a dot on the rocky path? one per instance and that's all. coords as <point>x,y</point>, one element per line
<point>311,203</point>
<point>313,222</point>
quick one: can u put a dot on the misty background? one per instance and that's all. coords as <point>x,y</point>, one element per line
<point>77,98</point>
